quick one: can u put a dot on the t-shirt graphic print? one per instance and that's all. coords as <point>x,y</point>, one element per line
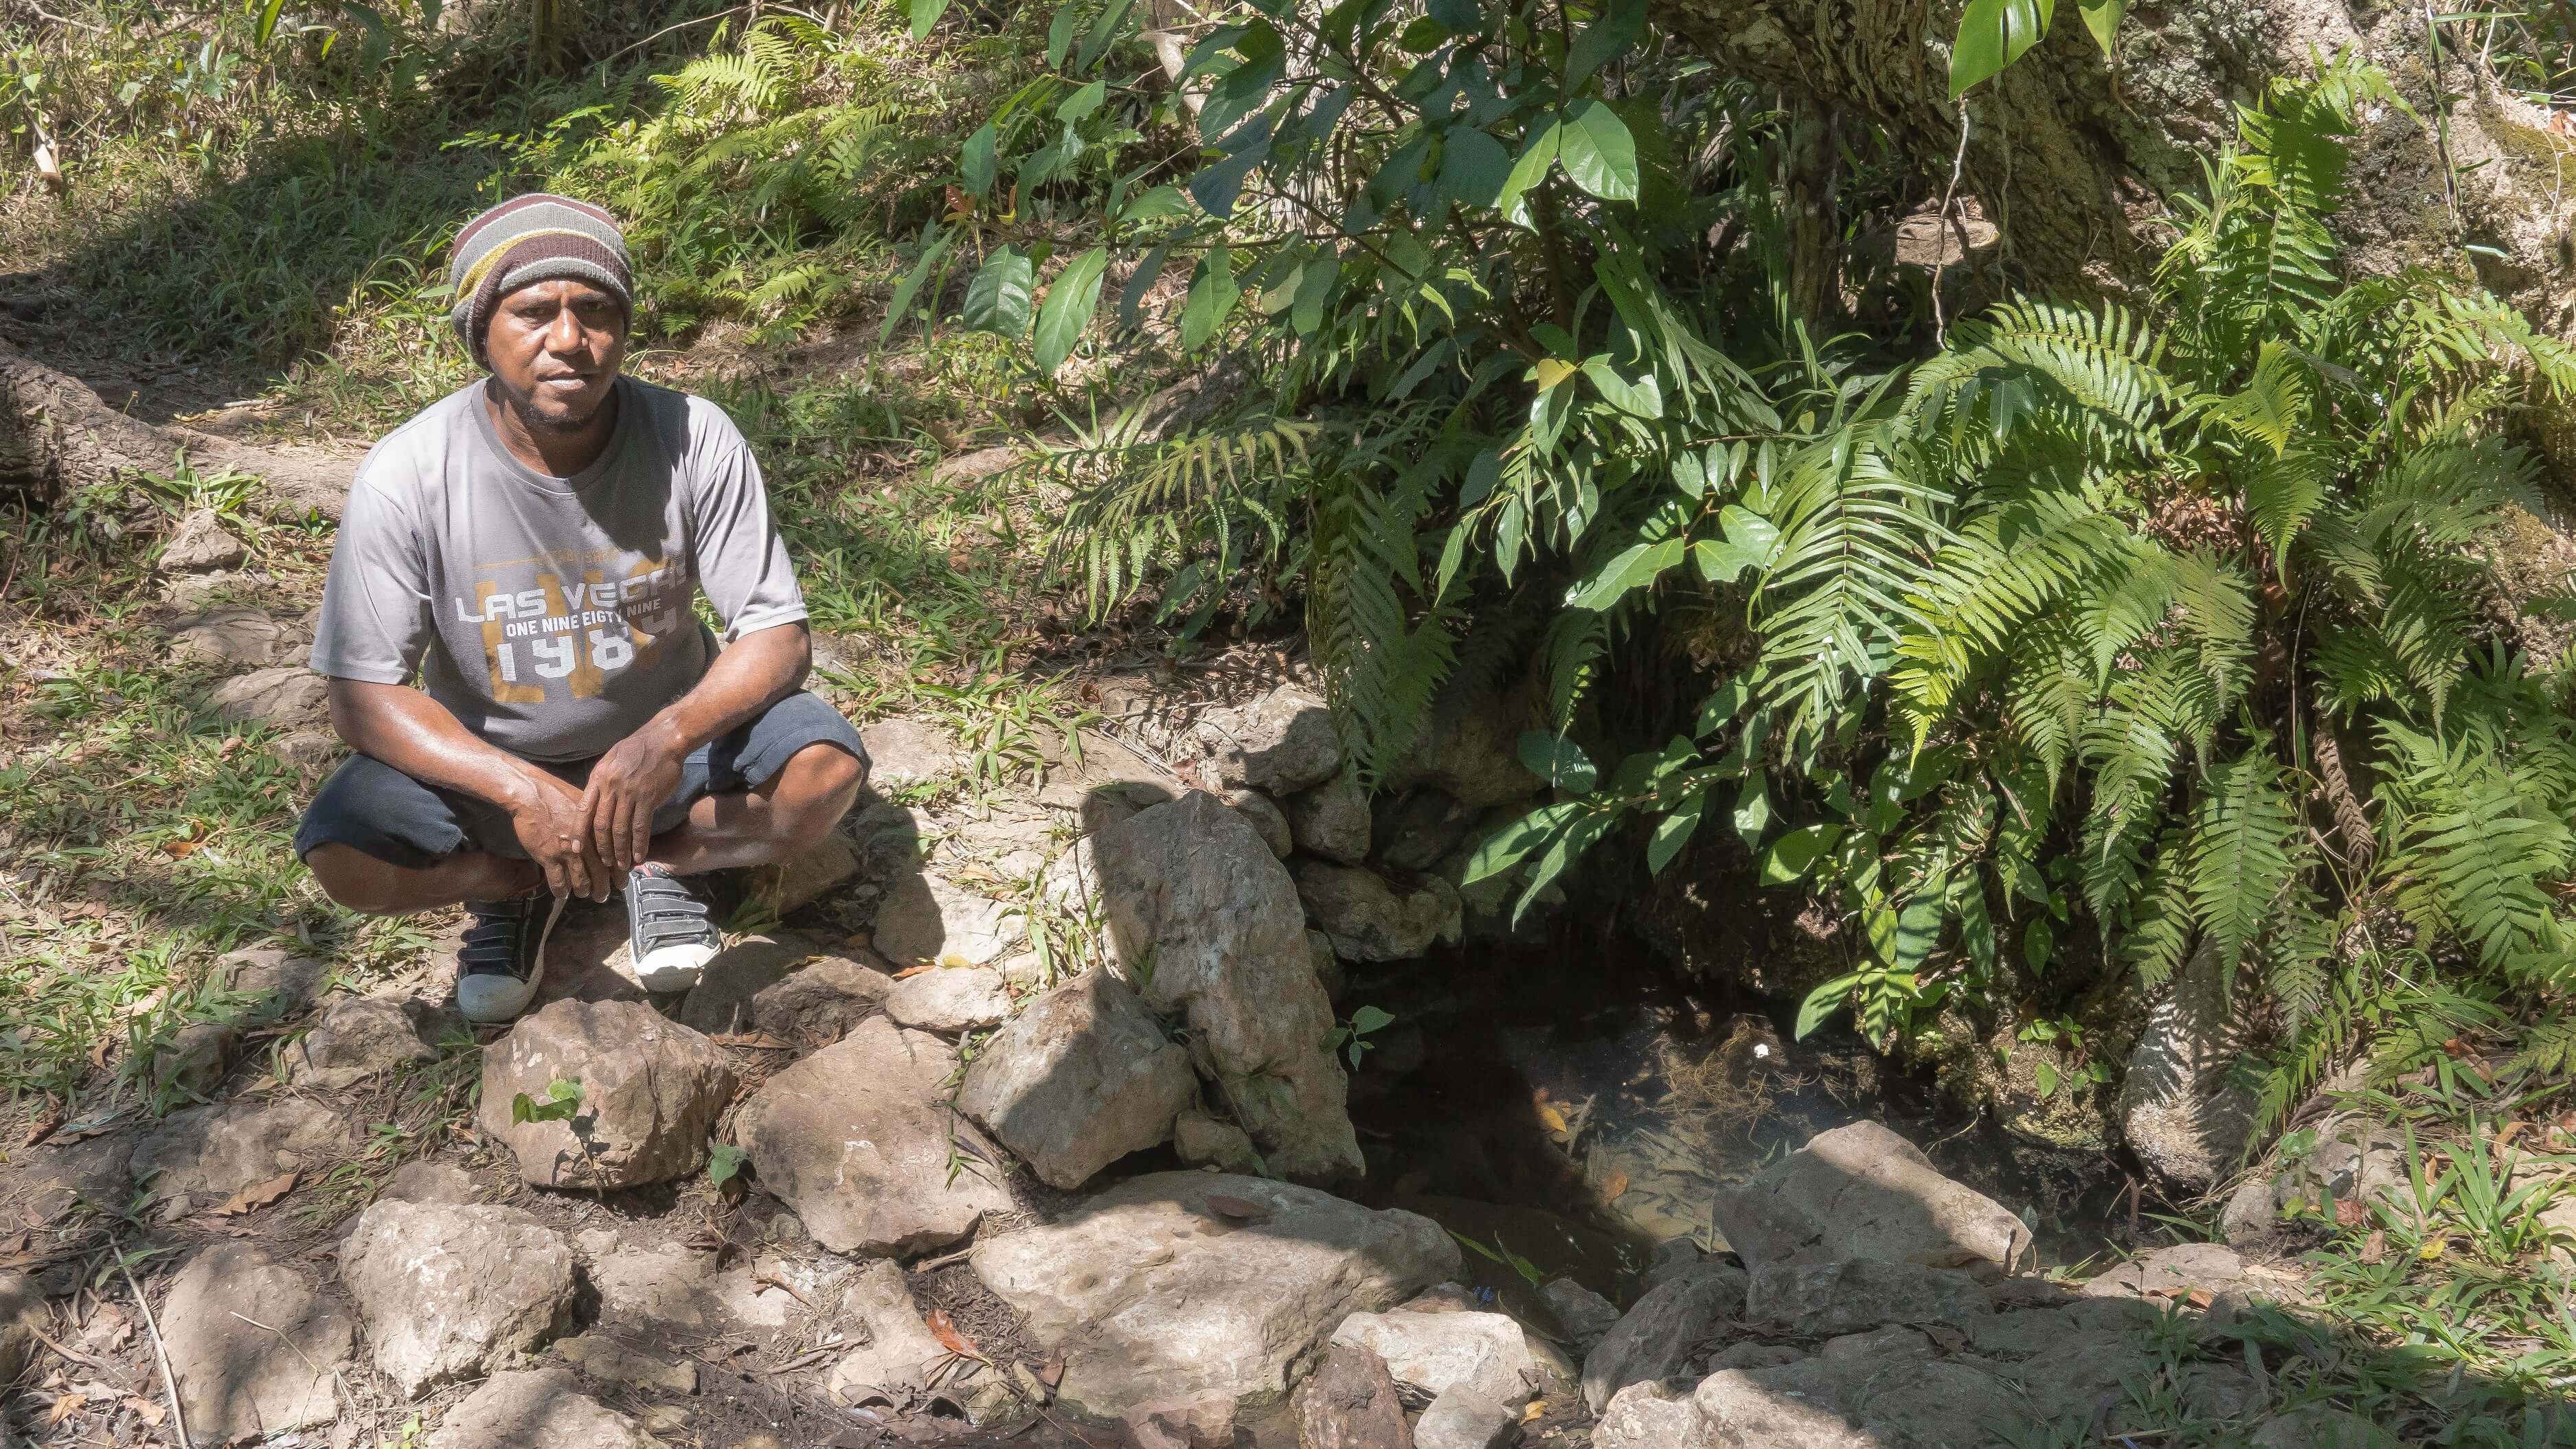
<point>553,616</point>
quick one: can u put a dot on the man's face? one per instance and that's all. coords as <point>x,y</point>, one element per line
<point>554,347</point>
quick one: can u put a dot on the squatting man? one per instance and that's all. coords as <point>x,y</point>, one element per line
<point>530,548</point>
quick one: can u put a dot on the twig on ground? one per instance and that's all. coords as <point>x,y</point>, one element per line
<point>169,1380</point>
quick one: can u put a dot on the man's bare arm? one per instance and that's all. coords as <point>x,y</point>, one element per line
<point>420,737</point>
<point>633,779</point>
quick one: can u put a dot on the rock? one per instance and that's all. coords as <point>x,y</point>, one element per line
<point>1413,832</point>
<point>1470,747</point>
<point>1675,1323</point>
<point>1671,1257</point>
<point>279,698</point>
<point>1082,1077</point>
<point>241,1380</point>
<point>1331,820</point>
<point>950,999</point>
<point>430,1182</point>
<point>1430,1353</point>
<point>1148,1291</point>
<point>307,751</point>
<point>782,986</point>
<point>450,1292</point>
<point>196,593</point>
<point>1328,966</point>
<point>1266,817</point>
<point>1653,1414</point>
<point>785,886</point>
<point>904,752</point>
<point>924,918</point>
<point>536,1409</point>
<point>651,1090</point>
<point>1750,1355</point>
<point>1204,920</point>
<point>663,1290</point>
<point>1583,1314</point>
<point>279,983</point>
<point>857,1139</point>
<point>1368,919</point>
<point>1470,1416</point>
<point>1203,1141</point>
<point>2322,1426</point>
<point>2172,1273</point>
<point>2181,1109</point>
<point>1863,1192</point>
<point>360,1036</point>
<point>602,1357</point>
<point>203,1155</point>
<point>1280,743</point>
<point>1820,1299</point>
<point>897,1349</point>
<point>195,1061</point>
<point>228,637</point>
<point>22,1315</point>
<point>42,1183</point>
<point>201,544</point>
<point>1205,1422</point>
<point>1350,1403</point>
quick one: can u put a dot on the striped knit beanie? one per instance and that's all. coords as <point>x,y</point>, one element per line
<point>529,239</point>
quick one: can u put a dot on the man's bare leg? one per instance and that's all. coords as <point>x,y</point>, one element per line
<point>363,883</point>
<point>784,818</point>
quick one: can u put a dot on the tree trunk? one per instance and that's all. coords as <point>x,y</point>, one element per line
<point>2074,156</point>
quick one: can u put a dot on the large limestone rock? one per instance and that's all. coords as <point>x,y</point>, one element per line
<point>783,987</point>
<point>449,1292</point>
<point>905,752</point>
<point>1675,1324</point>
<point>1205,921</point>
<point>925,918</point>
<point>203,1155</point>
<point>650,1092</point>
<point>1863,1192</point>
<point>1428,1353</point>
<point>896,1349</point>
<point>22,1316</point>
<point>1820,1299</point>
<point>280,698</point>
<point>1149,1291</point>
<point>536,1409</point>
<point>361,1036</point>
<point>201,545</point>
<point>950,999</point>
<point>1280,743</point>
<point>2181,1109</point>
<point>278,983</point>
<point>858,1140</point>
<point>1350,1403</point>
<point>1370,919</point>
<point>228,636</point>
<point>253,1344</point>
<point>1082,1077</point>
<point>787,886</point>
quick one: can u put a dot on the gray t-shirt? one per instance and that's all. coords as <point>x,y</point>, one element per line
<point>552,615</point>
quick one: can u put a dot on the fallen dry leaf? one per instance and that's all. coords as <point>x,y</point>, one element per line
<point>772,1280</point>
<point>145,1409</point>
<point>1551,1118</point>
<point>2374,1249</point>
<point>909,971</point>
<point>180,849</point>
<point>2200,1298</point>
<point>1536,1411</point>
<point>258,1195</point>
<point>1241,1210</point>
<point>949,1338</point>
<point>2349,1213</point>
<point>1615,1184</point>
<point>65,1406</point>
<point>1051,1373</point>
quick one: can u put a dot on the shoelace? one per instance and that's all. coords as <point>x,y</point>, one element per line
<point>492,942</point>
<point>667,914</point>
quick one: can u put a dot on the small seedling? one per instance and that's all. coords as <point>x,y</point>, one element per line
<point>1351,1037</point>
<point>724,1168</point>
<point>563,1099</point>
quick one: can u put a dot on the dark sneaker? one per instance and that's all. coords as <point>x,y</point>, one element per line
<point>504,956</point>
<point>669,927</point>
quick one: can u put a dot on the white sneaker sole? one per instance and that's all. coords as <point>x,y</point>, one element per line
<point>488,1000</point>
<point>674,968</point>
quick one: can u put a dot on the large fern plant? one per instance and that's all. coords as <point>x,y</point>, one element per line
<point>2178,626</point>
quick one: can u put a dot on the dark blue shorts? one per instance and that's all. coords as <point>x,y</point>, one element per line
<point>379,811</point>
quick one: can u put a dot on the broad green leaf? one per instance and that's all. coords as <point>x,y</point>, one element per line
<point>267,26</point>
<point>1790,857</point>
<point>925,14</point>
<point>1314,292</point>
<point>1510,845</point>
<point>1424,34</point>
<point>1723,704</point>
<point>1605,40</point>
<point>1460,17</point>
<point>975,162</point>
<point>1599,154</point>
<point>1643,398</point>
<point>1212,296</point>
<point>1560,853</point>
<point>2103,17</point>
<point>1103,31</point>
<point>1823,1002</point>
<point>1044,163</point>
<point>1633,567</point>
<point>1217,184</point>
<point>2038,943</point>
<point>1164,200</point>
<point>1753,810</point>
<point>1083,102</point>
<point>1369,1018</point>
<point>1674,831</point>
<point>997,300</point>
<point>2045,1074</point>
<point>1071,299</point>
<point>1528,171</point>
<point>1059,35</point>
<point>1993,34</point>
<point>724,1163</point>
<point>911,284</point>
<point>1547,372</point>
<point>1558,761</point>
<point>1473,166</point>
<point>1918,929</point>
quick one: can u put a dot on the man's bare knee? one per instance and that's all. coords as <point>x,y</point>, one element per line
<point>818,787</point>
<point>353,879</point>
